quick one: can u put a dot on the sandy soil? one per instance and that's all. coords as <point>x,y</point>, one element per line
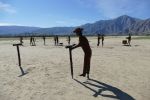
<point>117,71</point>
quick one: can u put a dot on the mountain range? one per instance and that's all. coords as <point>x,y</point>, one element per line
<point>122,25</point>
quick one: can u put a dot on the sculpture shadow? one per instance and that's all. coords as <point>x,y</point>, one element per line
<point>23,74</point>
<point>127,45</point>
<point>101,87</point>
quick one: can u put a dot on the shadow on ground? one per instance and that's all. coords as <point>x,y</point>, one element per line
<point>101,87</point>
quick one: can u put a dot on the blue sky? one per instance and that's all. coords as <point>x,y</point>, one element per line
<point>52,13</point>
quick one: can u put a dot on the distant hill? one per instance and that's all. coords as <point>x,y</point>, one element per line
<point>55,31</point>
<point>118,26</point>
<point>15,30</point>
<point>142,27</point>
<point>122,25</point>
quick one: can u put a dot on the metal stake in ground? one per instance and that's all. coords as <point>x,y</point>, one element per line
<point>71,63</point>
<point>19,59</point>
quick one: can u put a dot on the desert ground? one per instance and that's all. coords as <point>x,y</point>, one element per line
<point>117,72</point>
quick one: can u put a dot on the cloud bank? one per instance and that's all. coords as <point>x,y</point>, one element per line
<point>6,24</point>
<point>6,8</point>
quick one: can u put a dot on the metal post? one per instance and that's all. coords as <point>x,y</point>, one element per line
<point>19,59</point>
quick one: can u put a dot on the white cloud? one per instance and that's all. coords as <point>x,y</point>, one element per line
<point>6,24</point>
<point>7,8</point>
